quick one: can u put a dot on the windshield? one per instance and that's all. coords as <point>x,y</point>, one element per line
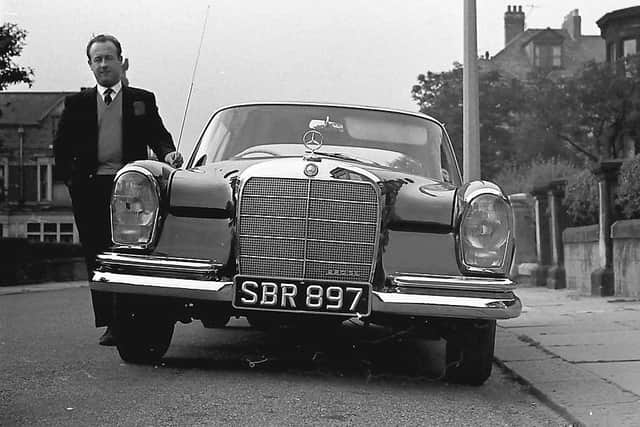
<point>378,138</point>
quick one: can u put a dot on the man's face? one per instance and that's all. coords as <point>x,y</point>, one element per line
<point>105,63</point>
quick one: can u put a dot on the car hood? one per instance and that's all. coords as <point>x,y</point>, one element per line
<point>410,202</point>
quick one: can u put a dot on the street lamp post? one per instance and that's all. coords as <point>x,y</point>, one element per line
<point>470,95</point>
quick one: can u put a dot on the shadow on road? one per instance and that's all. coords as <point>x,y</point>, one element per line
<point>349,350</point>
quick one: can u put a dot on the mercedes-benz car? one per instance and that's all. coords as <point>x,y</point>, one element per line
<point>298,213</point>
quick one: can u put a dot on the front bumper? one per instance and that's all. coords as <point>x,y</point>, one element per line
<point>407,295</point>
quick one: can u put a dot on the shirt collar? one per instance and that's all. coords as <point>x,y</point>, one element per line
<point>116,88</point>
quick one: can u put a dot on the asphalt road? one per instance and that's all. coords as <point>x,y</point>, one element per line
<point>52,372</point>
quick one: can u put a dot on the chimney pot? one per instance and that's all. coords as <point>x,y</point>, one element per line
<point>513,23</point>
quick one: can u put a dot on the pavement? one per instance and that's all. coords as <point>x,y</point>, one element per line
<point>578,354</point>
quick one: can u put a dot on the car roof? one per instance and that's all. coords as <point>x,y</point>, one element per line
<point>324,104</point>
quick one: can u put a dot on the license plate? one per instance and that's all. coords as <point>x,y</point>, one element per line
<point>347,299</point>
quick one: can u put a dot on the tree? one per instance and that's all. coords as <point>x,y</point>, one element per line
<point>11,44</point>
<point>593,112</point>
<point>501,102</point>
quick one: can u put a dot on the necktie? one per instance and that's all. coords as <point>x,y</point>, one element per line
<point>107,96</point>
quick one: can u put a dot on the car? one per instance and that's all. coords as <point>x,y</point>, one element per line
<point>307,213</point>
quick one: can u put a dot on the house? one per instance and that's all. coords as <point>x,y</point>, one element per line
<point>32,204</point>
<point>621,31</point>
<point>556,51</point>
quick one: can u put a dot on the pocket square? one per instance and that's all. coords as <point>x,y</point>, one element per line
<point>139,108</point>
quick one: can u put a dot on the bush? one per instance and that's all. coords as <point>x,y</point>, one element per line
<point>539,173</point>
<point>581,199</point>
<point>628,194</point>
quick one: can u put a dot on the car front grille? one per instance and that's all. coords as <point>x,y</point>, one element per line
<point>308,229</point>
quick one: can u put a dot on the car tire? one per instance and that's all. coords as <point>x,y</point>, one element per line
<point>469,353</point>
<point>142,337</point>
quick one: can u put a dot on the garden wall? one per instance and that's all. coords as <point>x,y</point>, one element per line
<point>626,257</point>
<point>581,256</point>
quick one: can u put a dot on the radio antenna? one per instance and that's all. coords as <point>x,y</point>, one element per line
<point>193,76</point>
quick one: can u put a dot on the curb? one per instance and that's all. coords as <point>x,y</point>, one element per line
<point>539,394</point>
<point>42,287</point>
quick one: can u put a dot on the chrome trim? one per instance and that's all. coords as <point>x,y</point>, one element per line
<point>156,188</point>
<point>453,282</point>
<point>446,306</point>
<point>295,259</point>
<point>158,262</point>
<point>312,140</point>
<point>398,302</point>
<point>289,168</point>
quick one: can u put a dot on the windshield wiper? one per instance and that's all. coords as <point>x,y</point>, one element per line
<point>342,156</point>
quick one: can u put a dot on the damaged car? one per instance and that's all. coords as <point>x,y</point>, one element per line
<point>301,213</point>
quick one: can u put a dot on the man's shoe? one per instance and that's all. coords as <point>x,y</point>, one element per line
<point>108,338</point>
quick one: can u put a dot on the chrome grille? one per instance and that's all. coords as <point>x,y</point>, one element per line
<point>308,229</point>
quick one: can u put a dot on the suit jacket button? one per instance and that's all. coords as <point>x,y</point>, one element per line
<point>90,176</point>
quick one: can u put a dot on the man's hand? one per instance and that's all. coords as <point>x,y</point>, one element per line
<point>174,159</point>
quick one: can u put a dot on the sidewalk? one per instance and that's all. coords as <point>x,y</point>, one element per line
<point>42,287</point>
<point>581,355</point>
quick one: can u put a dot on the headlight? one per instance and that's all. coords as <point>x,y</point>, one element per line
<point>486,234</point>
<point>134,209</point>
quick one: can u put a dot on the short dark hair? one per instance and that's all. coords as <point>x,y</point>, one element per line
<point>101,38</point>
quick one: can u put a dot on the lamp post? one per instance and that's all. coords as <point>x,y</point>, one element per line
<point>470,95</point>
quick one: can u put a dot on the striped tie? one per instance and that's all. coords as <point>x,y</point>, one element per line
<point>107,96</point>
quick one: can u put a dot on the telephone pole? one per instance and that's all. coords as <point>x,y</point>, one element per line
<point>470,94</point>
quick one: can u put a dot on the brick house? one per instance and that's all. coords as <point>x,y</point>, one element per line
<point>32,204</point>
<point>558,51</point>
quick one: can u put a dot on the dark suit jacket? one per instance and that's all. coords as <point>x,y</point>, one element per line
<point>76,143</point>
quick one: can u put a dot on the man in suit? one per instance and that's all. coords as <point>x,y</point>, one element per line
<point>101,130</point>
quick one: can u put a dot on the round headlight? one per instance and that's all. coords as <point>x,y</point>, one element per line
<point>485,231</point>
<point>134,209</point>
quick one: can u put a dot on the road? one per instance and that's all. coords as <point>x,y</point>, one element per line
<point>52,372</point>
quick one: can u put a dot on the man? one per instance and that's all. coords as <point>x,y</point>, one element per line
<point>101,130</point>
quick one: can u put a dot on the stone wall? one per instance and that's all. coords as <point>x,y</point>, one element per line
<point>581,256</point>
<point>525,228</point>
<point>626,257</point>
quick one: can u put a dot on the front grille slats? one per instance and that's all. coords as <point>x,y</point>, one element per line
<point>308,229</point>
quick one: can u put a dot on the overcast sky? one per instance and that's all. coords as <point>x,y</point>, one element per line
<point>347,51</point>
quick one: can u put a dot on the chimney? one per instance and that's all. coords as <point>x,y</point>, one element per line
<point>572,24</point>
<point>513,23</point>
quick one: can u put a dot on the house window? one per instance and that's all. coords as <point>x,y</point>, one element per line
<point>548,56</point>
<point>556,52</point>
<point>45,179</point>
<point>50,232</point>
<point>629,47</point>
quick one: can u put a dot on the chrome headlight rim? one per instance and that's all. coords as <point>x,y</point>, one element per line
<point>155,186</point>
<point>504,266</point>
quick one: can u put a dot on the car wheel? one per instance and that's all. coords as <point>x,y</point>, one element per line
<point>470,347</point>
<point>142,337</point>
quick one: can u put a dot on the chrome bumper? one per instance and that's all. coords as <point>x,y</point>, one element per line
<point>410,295</point>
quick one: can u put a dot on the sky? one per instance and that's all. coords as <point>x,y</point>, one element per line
<point>346,51</point>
